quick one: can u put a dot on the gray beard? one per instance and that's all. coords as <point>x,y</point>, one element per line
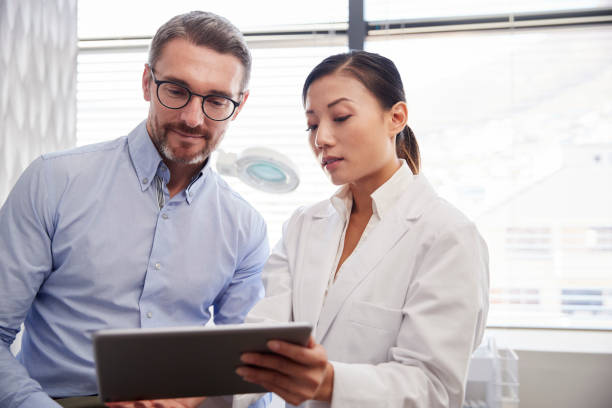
<point>167,154</point>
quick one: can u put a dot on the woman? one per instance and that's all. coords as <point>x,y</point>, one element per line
<point>392,277</point>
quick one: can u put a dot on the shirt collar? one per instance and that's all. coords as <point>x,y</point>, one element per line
<point>342,201</point>
<point>144,155</point>
<point>383,198</point>
<point>148,163</point>
<point>197,182</point>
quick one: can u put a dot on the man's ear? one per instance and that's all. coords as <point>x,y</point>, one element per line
<point>146,83</point>
<point>245,96</point>
<point>398,116</point>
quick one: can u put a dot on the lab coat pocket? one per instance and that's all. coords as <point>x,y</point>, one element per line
<point>375,328</point>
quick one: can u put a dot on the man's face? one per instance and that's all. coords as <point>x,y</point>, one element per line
<point>186,136</point>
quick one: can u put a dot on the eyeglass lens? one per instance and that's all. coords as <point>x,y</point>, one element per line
<point>175,97</point>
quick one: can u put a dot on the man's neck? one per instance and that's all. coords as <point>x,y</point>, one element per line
<point>181,175</point>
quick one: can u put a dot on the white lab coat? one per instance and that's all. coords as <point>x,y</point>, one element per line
<point>406,311</point>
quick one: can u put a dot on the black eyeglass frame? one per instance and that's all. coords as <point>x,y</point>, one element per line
<point>204,97</point>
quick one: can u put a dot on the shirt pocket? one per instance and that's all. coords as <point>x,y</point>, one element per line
<point>375,316</point>
<point>373,328</point>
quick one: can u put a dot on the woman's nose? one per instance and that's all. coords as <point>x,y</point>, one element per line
<point>323,137</point>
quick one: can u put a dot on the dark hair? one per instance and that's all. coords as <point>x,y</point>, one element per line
<point>380,76</point>
<point>204,29</point>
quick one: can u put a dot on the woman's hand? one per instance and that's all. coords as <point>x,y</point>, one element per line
<point>293,372</point>
<point>161,403</point>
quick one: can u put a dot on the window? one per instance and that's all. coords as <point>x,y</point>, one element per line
<point>377,10</point>
<point>514,125</point>
<point>515,128</point>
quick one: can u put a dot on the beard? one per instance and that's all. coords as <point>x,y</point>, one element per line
<point>159,136</point>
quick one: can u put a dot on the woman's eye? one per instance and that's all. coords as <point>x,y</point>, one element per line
<point>311,128</point>
<point>341,118</point>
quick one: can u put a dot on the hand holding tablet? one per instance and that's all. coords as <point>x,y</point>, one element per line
<point>137,364</point>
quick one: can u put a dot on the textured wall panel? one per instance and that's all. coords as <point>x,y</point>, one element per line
<point>38,50</point>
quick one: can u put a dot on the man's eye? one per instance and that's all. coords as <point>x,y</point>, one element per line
<point>217,102</point>
<point>175,91</point>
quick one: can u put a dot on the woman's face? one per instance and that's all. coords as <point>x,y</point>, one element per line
<point>351,135</point>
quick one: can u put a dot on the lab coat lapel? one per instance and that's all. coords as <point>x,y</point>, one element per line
<point>381,240</point>
<point>322,245</point>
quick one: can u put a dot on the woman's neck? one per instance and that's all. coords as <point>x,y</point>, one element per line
<point>362,189</point>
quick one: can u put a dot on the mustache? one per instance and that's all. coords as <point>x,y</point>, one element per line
<point>183,128</point>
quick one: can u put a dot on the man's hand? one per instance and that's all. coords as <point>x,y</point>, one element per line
<point>293,372</point>
<point>160,403</point>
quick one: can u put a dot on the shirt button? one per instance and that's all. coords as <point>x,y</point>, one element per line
<point>158,266</point>
<point>145,180</point>
<point>149,315</point>
<point>165,216</point>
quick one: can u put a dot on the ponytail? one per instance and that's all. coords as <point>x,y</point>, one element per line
<point>407,148</point>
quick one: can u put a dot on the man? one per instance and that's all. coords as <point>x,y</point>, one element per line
<point>136,232</point>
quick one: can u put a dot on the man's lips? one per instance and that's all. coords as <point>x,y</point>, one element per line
<point>190,135</point>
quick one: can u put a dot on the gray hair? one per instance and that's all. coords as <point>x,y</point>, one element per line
<point>207,29</point>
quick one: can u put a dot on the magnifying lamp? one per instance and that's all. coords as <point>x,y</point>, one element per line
<point>261,168</point>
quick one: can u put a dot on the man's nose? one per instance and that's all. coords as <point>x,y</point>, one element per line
<point>192,113</point>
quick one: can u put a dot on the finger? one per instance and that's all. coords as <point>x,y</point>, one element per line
<point>291,397</point>
<point>313,354</point>
<point>269,381</point>
<point>306,383</point>
<point>165,404</point>
<point>191,402</point>
<point>130,404</point>
<point>273,362</point>
<point>311,342</point>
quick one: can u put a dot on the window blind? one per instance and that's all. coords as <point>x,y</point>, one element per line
<point>515,128</point>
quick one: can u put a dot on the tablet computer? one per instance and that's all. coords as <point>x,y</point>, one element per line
<point>135,364</point>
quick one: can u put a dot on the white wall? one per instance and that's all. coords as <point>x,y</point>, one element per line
<point>38,49</point>
<point>565,380</point>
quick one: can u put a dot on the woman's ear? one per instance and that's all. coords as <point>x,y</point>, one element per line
<point>398,116</point>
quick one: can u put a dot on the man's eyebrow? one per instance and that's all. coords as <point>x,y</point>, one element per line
<point>186,85</point>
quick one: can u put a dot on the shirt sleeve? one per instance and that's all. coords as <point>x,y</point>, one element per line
<point>277,278</point>
<point>25,262</point>
<point>444,318</point>
<point>246,287</point>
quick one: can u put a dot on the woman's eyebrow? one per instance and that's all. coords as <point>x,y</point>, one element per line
<point>329,105</point>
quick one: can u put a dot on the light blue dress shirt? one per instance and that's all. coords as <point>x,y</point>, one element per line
<point>84,246</point>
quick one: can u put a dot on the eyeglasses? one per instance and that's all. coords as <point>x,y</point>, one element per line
<point>176,96</point>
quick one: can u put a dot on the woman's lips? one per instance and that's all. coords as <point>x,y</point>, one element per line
<point>330,162</point>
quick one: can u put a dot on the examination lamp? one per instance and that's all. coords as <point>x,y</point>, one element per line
<point>261,168</point>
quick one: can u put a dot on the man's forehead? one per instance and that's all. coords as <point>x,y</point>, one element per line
<point>200,66</point>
